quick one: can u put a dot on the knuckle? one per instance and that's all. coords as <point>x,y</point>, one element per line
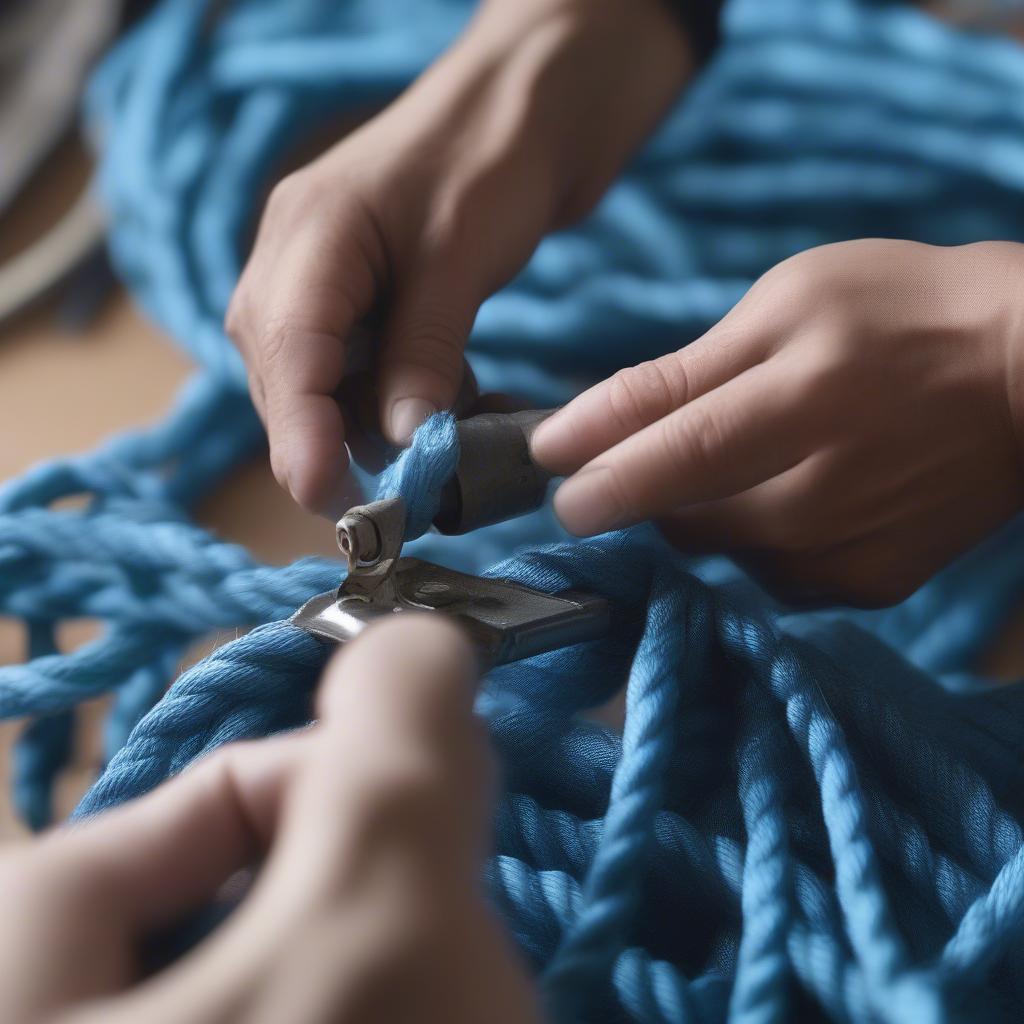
<point>439,332</point>
<point>433,342</point>
<point>646,392</point>
<point>626,404</point>
<point>824,373</point>
<point>276,338</point>
<point>692,442</point>
<point>230,761</point>
<point>617,493</point>
<point>794,289</point>
<point>795,282</point>
<point>288,196</point>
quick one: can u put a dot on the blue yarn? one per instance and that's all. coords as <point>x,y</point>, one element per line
<point>807,815</point>
<point>258,685</point>
<point>419,478</point>
<point>44,747</point>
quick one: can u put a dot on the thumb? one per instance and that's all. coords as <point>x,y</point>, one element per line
<point>421,361</point>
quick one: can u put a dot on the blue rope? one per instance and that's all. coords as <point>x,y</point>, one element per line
<point>807,815</point>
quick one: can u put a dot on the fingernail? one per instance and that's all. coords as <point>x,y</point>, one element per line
<point>549,440</point>
<point>407,414</point>
<point>543,430</point>
<point>585,504</point>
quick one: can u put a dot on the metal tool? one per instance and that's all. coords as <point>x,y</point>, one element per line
<point>506,620</point>
<point>496,477</point>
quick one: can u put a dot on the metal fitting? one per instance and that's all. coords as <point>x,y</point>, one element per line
<point>370,538</point>
<point>496,477</point>
<point>359,539</point>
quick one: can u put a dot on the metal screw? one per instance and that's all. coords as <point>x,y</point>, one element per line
<point>359,540</point>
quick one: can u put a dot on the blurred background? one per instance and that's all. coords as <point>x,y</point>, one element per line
<point>78,361</point>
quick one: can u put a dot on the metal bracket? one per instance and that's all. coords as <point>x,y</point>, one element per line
<point>506,620</point>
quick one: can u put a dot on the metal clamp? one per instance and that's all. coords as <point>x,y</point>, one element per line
<point>506,620</point>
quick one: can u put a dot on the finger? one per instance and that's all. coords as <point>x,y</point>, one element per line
<point>402,749</point>
<point>729,440</point>
<point>300,362</point>
<point>393,784</point>
<point>641,395</point>
<point>291,318</point>
<point>360,402</point>
<point>410,673</point>
<point>166,853</point>
<point>82,898</point>
<point>421,360</point>
<point>771,515</point>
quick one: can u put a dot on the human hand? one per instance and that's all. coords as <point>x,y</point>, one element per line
<point>373,823</point>
<point>430,207</point>
<point>846,430</point>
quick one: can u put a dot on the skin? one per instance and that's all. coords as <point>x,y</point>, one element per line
<point>372,826</point>
<point>847,429</point>
<point>410,222</point>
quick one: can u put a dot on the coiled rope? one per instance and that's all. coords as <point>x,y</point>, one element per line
<point>807,815</point>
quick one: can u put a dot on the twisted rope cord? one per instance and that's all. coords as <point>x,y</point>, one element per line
<point>551,874</point>
<point>808,823</point>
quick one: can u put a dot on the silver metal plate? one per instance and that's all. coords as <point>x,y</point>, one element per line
<point>506,620</point>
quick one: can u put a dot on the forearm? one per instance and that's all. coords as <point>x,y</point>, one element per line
<point>587,81</point>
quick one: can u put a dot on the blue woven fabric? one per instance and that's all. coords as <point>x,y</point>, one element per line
<point>807,815</point>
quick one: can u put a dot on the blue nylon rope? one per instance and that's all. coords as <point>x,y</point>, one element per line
<point>807,815</point>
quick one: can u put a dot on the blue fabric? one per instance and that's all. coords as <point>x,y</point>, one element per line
<point>807,815</point>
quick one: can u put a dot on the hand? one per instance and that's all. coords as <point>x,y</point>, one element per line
<point>847,429</point>
<point>433,205</point>
<point>374,826</point>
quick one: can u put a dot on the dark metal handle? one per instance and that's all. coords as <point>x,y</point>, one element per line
<point>496,477</point>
